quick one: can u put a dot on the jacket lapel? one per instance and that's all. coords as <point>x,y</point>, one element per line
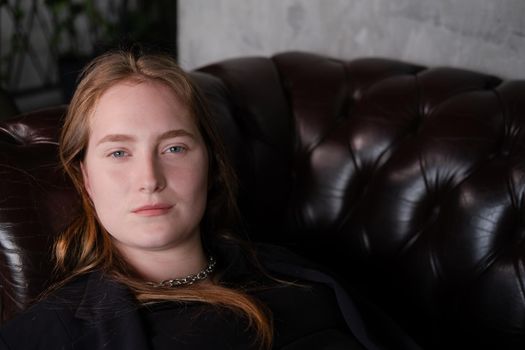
<point>279,260</point>
<point>110,316</point>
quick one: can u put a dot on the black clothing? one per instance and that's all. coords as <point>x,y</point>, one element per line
<point>95,312</point>
<point>298,312</point>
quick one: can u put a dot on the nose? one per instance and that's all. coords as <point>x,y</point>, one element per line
<point>150,175</point>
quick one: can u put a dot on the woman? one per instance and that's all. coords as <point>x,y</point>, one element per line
<point>152,262</point>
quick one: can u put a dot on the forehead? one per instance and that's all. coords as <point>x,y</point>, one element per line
<point>130,106</point>
<point>139,94</point>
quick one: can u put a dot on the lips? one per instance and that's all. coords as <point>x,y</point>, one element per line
<point>152,209</point>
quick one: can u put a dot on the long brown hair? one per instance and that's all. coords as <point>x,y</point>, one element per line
<point>85,245</point>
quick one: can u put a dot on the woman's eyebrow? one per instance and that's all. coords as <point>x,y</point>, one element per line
<point>129,138</point>
<point>116,138</point>
<point>175,133</point>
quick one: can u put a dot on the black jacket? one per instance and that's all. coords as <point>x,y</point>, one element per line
<point>94,312</point>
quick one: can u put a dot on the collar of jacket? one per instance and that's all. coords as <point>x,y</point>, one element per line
<point>378,333</point>
<point>104,299</point>
<point>111,315</point>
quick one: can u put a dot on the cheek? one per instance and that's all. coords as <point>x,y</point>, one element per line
<point>85,179</point>
<point>200,174</point>
<point>105,187</point>
<point>190,182</point>
<point>201,189</point>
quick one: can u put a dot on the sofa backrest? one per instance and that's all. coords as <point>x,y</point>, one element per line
<point>36,201</point>
<point>406,181</point>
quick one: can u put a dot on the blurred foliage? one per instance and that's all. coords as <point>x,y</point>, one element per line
<point>111,22</point>
<point>18,40</point>
<point>83,28</point>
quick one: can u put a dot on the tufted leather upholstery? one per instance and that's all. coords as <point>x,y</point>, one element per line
<point>406,180</point>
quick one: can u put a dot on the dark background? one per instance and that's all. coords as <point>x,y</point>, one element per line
<point>45,43</point>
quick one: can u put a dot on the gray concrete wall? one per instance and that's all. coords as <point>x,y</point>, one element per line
<point>485,35</point>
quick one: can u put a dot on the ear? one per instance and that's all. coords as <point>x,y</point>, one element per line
<point>85,177</point>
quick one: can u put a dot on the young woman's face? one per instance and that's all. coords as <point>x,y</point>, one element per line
<point>146,168</point>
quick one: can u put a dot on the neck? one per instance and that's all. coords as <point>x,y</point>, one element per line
<point>164,264</point>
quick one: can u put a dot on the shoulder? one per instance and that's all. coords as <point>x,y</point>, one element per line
<point>368,323</point>
<point>31,325</point>
<point>49,320</point>
<point>65,298</point>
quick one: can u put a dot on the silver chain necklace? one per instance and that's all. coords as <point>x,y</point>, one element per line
<point>188,280</point>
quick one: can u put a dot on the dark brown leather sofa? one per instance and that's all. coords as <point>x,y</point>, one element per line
<point>407,181</point>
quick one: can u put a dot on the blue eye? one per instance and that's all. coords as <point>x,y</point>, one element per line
<point>118,154</point>
<point>176,149</point>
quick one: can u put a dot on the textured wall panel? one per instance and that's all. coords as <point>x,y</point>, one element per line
<point>484,35</point>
